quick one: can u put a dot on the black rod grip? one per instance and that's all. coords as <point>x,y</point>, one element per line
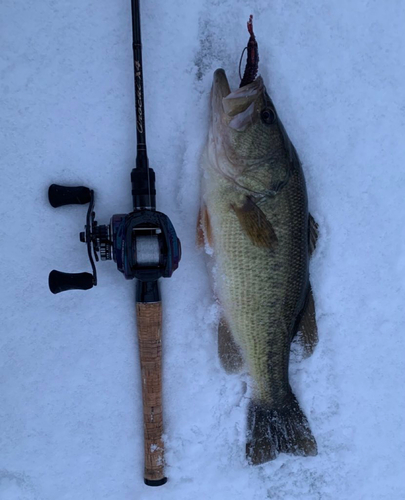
<point>143,186</point>
<point>63,195</point>
<point>61,282</point>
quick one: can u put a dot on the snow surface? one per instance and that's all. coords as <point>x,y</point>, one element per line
<point>70,397</point>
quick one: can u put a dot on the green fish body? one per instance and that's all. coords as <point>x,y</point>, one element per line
<point>256,223</point>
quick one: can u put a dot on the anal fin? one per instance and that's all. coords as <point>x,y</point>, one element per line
<point>228,351</point>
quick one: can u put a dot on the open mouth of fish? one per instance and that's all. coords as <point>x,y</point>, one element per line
<point>236,107</point>
<point>238,103</point>
<point>233,108</point>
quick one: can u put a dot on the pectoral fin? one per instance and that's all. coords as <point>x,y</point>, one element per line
<point>255,224</point>
<point>204,231</point>
<point>229,353</point>
<point>308,329</point>
<point>313,233</point>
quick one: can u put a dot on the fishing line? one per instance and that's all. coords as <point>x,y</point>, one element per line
<point>240,62</point>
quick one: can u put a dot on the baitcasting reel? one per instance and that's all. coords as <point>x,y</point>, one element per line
<point>143,243</point>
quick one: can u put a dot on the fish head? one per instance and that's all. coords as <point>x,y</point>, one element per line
<point>245,133</point>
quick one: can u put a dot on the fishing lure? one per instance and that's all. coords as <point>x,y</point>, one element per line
<point>252,61</point>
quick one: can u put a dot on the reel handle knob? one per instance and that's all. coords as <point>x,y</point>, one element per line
<point>60,282</point>
<point>63,195</point>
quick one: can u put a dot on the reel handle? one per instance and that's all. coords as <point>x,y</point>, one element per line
<point>63,195</point>
<point>60,282</point>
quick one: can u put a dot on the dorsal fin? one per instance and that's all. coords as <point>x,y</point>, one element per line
<point>313,233</point>
<point>307,333</point>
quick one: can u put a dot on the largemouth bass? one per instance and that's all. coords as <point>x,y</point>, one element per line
<point>254,219</point>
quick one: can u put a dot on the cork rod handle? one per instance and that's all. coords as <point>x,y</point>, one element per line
<point>149,323</point>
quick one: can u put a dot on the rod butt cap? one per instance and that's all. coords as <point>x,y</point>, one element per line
<point>155,482</point>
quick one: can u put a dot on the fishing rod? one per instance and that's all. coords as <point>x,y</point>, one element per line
<point>145,247</point>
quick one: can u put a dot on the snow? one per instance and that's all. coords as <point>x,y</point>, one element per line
<point>70,397</point>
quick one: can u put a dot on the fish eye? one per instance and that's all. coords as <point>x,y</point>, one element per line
<point>268,116</point>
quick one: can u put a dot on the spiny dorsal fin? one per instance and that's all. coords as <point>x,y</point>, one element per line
<point>313,233</point>
<point>228,351</point>
<point>308,329</point>
<point>255,224</point>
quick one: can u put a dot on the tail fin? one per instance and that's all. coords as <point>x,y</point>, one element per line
<point>273,431</point>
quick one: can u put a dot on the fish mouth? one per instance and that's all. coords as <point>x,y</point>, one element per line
<point>227,104</point>
<point>219,91</point>
<point>232,112</point>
